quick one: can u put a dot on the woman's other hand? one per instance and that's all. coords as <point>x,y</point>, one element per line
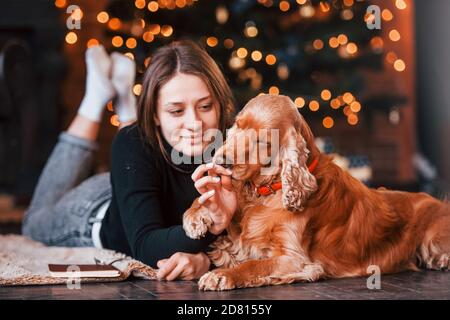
<point>183,266</point>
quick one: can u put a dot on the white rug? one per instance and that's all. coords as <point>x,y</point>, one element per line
<point>25,262</point>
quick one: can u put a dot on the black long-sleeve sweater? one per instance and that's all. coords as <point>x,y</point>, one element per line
<point>149,197</point>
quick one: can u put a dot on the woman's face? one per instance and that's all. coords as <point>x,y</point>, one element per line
<point>185,110</point>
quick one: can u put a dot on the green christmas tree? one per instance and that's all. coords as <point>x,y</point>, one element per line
<point>313,51</point>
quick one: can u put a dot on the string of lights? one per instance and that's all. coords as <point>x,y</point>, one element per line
<point>247,62</point>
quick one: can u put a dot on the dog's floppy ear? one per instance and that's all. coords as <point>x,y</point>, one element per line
<point>298,183</point>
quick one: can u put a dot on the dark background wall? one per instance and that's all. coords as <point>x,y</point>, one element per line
<point>433,84</point>
<point>30,78</point>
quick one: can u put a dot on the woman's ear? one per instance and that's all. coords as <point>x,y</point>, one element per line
<point>155,118</point>
<point>298,183</point>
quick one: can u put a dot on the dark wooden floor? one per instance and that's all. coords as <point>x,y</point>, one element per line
<point>408,285</point>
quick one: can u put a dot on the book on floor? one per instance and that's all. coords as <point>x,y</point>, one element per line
<point>83,271</point>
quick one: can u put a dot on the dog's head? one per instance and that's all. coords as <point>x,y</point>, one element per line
<point>269,141</point>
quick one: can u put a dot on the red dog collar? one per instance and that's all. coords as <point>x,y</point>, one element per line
<point>272,188</point>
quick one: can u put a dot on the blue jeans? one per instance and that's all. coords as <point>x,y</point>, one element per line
<point>66,199</point>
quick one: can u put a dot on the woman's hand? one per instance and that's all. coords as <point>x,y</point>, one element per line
<point>217,194</point>
<point>183,266</point>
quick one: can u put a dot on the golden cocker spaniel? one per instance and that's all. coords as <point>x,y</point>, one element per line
<point>308,219</point>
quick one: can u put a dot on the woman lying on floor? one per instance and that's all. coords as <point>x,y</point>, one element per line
<point>137,209</point>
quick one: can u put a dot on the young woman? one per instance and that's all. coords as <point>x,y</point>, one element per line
<point>137,209</point>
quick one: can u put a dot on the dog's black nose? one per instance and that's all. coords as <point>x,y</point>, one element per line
<point>227,165</point>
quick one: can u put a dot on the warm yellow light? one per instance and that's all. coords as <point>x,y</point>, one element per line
<point>271,59</point>
<point>140,4</point>
<point>256,55</point>
<point>274,90</point>
<point>348,3</point>
<point>377,43</point>
<point>180,3</point>
<point>355,106</point>
<point>314,105</point>
<point>117,41</point>
<point>400,4</point>
<point>391,57</point>
<point>77,14</point>
<point>153,6</point>
<point>154,28</point>
<point>325,94</point>
<point>348,98</point>
<point>222,14</point>
<point>342,39</point>
<point>347,14</point>
<point>130,55</point>
<point>299,102</point>
<point>131,43</point>
<point>167,4</point>
<point>110,106</point>
<point>137,89</point>
<point>148,36</point>
<point>60,3</point>
<point>352,48</point>
<point>241,53</point>
<point>307,11</point>
<point>387,15</point>
<point>71,37</point>
<point>328,122</point>
<point>301,1</point>
<point>324,6</point>
<point>335,103</point>
<point>103,17</point>
<point>399,65</point>
<point>347,111</point>
<point>333,42</point>
<point>167,31</point>
<point>236,62</point>
<point>352,119</point>
<point>394,35</point>
<point>251,31</point>
<point>284,6</point>
<point>114,24</point>
<point>92,43</point>
<point>212,41</point>
<point>228,43</point>
<point>318,44</point>
<point>115,120</point>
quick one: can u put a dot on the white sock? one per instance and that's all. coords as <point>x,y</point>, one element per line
<point>99,89</point>
<point>123,74</point>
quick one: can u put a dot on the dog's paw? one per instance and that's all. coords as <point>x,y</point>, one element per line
<point>196,226</point>
<point>444,262</point>
<point>216,281</point>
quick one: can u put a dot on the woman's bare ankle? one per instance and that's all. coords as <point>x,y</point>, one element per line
<point>85,128</point>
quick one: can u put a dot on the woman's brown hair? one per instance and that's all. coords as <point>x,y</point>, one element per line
<point>184,56</point>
